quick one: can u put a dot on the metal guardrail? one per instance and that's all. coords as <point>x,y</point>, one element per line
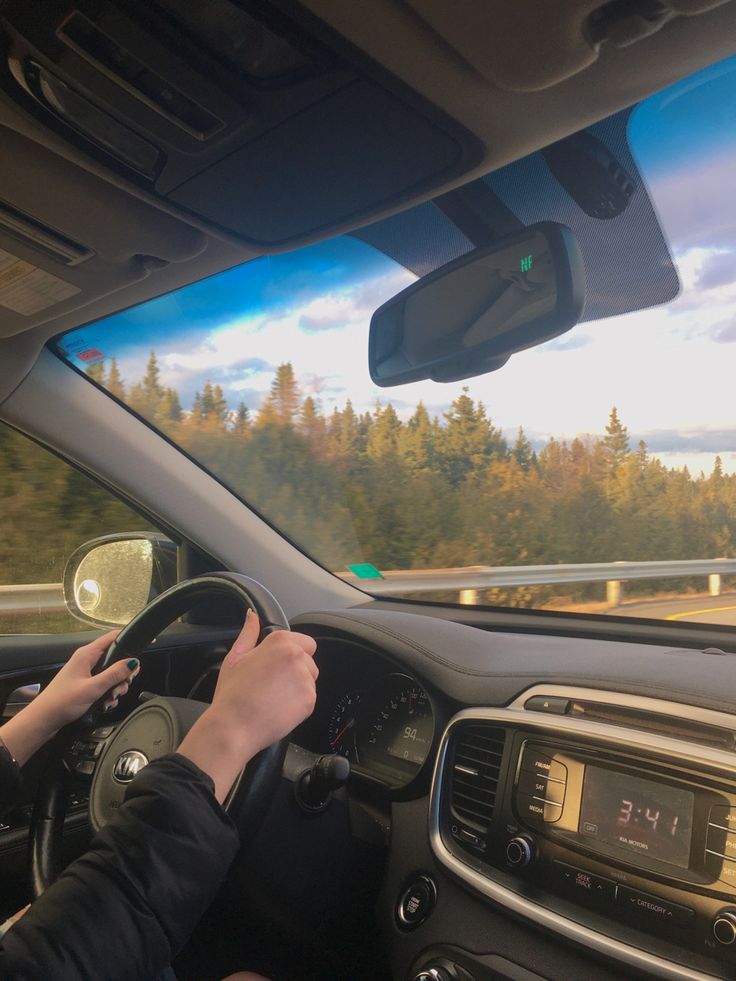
<point>488,576</point>
<point>48,597</point>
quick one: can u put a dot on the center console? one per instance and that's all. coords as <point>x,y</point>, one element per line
<point>609,819</point>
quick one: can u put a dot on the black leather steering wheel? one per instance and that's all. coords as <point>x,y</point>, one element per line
<point>152,730</point>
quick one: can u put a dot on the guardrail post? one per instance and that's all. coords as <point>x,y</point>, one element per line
<point>714,584</point>
<point>614,592</point>
<point>469,597</point>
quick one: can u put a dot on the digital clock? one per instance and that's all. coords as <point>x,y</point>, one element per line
<point>644,816</point>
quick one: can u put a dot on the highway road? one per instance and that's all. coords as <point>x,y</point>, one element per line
<point>702,609</point>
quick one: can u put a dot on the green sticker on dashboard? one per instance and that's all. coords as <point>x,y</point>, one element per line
<point>365,571</point>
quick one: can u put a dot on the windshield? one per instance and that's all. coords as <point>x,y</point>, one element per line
<point>614,443</point>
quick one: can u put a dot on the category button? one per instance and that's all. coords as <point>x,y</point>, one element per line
<point>641,904</point>
<point>584,883</point>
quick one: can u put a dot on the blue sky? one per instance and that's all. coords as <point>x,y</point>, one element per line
<point>669,369</point>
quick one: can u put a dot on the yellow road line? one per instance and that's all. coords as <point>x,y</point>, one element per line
<point>694,613</point>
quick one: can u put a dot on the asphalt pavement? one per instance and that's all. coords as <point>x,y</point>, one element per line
<point>703,609</point>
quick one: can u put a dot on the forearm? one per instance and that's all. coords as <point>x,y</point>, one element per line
<point>123,910</point>
<point>26,733</point>
<point>219,749</point>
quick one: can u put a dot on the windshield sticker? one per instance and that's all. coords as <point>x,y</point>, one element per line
<point>26,289</point>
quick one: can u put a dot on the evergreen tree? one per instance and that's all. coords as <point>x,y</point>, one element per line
<point>114,383</point>
<point>96,372</point>
<point>522,451</point>
<point>284,399</point>
<point>616,440</point>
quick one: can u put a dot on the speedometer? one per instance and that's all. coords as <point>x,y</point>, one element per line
<point>396,729</point>
<point>341,728</point>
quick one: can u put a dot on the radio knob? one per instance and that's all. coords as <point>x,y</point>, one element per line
<point>520,851</point>
<point>724,927</point>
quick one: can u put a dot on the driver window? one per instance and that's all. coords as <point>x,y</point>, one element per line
<point>47,510</point>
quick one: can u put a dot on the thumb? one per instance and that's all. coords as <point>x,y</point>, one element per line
<point>246,639</point>
<point>114,675</point>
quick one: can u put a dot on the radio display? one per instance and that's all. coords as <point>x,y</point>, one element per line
<point>651,819</point>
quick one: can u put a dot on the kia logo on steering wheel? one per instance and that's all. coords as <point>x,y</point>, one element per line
<point>128,764</point>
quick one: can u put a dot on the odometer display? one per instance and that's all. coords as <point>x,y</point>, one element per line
<point>396,728</point>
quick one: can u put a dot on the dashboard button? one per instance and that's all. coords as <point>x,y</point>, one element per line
<point>723,817</point>
<point>537,811</point>
<point>530,809</point>
<point>536,762</point>
<point>584,883</point>
<point>723,842</point>
<point>642,904</point>
<point>535,786</point>
<point>544,703</point>
<point>532,784</point>
<point>416,902</point>
<point>720,867</point>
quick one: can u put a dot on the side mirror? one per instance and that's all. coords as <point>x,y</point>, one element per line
<point>469,316</point>
<point>108,580</point>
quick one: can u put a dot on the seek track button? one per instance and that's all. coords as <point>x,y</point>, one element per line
<point>584,883</point>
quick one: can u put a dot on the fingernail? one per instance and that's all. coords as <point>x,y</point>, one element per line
<point>132,663</point>
<point>117,697</point>
<point>108,707</point>
<point>248,615</point>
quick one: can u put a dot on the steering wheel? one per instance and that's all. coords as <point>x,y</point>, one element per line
<point>152,730</point>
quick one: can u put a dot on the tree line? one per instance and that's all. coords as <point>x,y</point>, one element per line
<point>422,492</point>
<point>434,492</point>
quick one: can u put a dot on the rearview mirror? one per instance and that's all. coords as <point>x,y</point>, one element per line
<point>108,580</point>
<point>469,316</point>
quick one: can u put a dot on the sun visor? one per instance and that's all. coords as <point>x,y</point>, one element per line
<point>266,126</point>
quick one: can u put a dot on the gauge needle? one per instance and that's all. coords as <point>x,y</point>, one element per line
<point>342,732</point>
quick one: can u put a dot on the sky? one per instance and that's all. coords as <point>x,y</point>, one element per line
<point>670,369</point>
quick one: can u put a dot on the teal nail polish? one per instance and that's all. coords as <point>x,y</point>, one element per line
<point>132,664</point>
<point>117,697</point>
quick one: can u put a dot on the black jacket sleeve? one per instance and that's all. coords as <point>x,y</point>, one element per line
<point>125,908</point>
<point>9,778</point>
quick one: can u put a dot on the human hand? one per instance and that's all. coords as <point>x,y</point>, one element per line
<point>67,697</point>
<point>263,692</point>
<point>74,688</point>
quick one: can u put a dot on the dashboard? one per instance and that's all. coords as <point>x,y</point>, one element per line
<point>554,808</point>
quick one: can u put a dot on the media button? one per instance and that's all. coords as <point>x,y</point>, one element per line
<point>641,904</point>
<point>530,809</point>
<point>584,883</point>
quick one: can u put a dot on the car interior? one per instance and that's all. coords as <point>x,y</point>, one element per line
<point>513,770</point>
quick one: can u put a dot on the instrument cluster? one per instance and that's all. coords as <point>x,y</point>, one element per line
<point>381,719</point>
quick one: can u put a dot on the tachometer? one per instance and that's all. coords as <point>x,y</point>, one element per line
<point>396,729</point>
<point>341,727</point>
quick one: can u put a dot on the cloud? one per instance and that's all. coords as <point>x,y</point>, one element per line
<point>688,441</point>
<point>719,269</point>
<point>567,342</point>
<point>725,332</point>
<point>693,205</point>
<point>354,307</point>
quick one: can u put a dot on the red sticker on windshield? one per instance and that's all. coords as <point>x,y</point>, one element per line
<point>91,354</point>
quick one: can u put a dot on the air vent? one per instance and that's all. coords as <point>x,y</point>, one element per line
<point>476,766</point>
